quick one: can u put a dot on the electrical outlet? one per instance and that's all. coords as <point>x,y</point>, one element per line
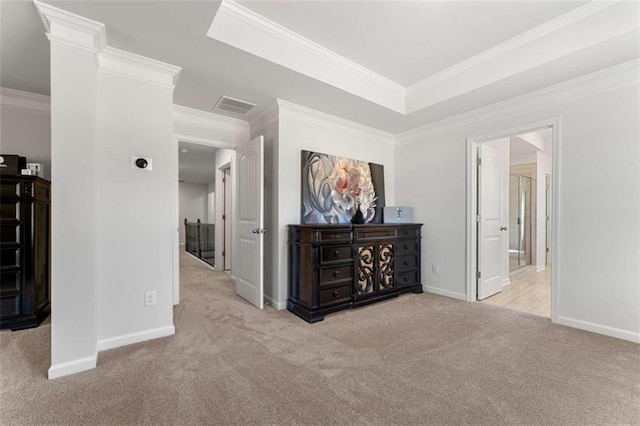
<point>435,268</point>
<point>150,298</point>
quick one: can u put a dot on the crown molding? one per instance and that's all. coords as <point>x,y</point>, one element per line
<point>138,67</point>
<point>69,28</point>
<point>291,111</point>
<point>193,123</point>
<point>25,101</point>
<point>247,30</point>
<point>622,75</point>
<point>514,43</point>
<point>264,119</point>
<point>584,27</point>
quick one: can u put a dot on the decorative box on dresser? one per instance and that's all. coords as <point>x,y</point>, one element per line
<point>25,245</point>
<point>336,267</point>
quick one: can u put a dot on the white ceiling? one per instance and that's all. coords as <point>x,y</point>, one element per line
<point>197,164</point>
<point>404,41</point>
<point>409,41</point>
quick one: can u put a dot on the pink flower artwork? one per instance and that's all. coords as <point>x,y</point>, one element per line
<point>333,187</point>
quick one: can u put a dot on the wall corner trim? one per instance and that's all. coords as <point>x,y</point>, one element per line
<point>631,336</point>
<point>140,336</point>
<point>31,102</point>
<point>72,367</point>
<point>78,31</point>
<point>291,111</point>
<point>446,293</point>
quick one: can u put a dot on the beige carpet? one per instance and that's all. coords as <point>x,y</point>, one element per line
<point>418,359</point>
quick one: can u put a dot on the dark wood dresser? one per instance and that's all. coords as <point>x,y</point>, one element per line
<point>25,245</point>
<point>336,267</point>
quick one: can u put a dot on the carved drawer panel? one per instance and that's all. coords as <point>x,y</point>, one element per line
<point>334,254</point>
<point>406,263</point>
<point>335,295</point>
<point>336,274</point>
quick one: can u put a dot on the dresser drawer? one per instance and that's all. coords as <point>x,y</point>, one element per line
<point>406,263</point>
<point>375,234</point>
<point>408,278</point>
<point>335,295</point>
<point>336,274</point>
<point>333,254</point>
<point>408,232</point>
<point>10,189</point>
<point>407,247</point>
<point>333,236</point>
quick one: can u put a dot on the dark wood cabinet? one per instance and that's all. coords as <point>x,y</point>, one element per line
<point>25,246</point>
<point>336,267</point>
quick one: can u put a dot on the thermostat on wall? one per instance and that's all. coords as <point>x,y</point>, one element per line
<point>139,162</point>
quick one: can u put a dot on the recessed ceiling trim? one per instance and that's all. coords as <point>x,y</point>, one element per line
<point>244,29</point>
<point>623,75</point>
<point>580,28</point>
<point>576,30</point>
<point>230,131</point>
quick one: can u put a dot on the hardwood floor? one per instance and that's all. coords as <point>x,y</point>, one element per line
<point>529,291</point>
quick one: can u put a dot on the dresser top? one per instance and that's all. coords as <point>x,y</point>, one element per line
<point>350,225</point>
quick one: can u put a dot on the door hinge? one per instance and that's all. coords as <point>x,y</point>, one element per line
<point>478,275</point>
<point>479,161</point>
<point>224,180</point>
<point>547,249</point>
<point>224,253</point>
<point>478,217</point>
<point>224,217</point>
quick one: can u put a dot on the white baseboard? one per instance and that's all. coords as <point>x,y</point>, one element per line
<point>600,329</point>
<point>72,367</point>
<point>540,268</point>
<point>443,292</point>
<point>506,282</point>
<point>278,305</point>
<point>202,262</point>
<point>141,336</point>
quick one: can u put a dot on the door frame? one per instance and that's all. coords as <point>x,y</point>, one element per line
<point>175,165</point>
<point>227,213</point>
<point>472,200</point>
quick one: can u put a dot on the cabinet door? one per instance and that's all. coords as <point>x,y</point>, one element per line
<point>375,269</point>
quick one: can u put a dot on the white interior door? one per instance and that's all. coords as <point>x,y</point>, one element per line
<point>250,221</point>
<point>493,242</point>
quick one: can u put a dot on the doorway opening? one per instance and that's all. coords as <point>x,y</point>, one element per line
<point>511,218</point>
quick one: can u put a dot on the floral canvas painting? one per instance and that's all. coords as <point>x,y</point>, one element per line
<point>333,186</point>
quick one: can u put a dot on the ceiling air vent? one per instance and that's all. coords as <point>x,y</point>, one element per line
<point>233,106</point>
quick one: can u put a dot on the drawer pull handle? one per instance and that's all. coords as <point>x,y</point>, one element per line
<point>336,294</point>
<point>337,253</point>
<point>406,246</point>
<point>406,263</point>
<point>336,274</point>
<point>405,279</point>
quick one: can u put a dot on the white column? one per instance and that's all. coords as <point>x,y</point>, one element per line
<point>74,71</point>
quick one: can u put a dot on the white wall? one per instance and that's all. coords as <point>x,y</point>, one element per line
<point>26,133</point>
<point>304,129</point>
<point>599,206</point>
<point>211,203</point>
<point>135,215</point>
<point>193,204</point>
